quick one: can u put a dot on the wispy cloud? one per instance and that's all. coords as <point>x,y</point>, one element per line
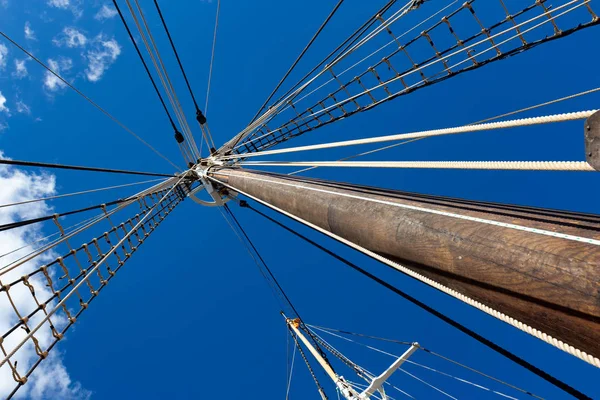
<point>60,66</point>
<point>70,37</point>
<point>20,71</point>
<point>3,56</point>
<point>101,56</point>
<point>51,379</point>
<point>59,3</point>
<point>29,33</point>
<point>3,108</point>
<point>106,12</point>
<point>72,5</point>
<point>22,108</point>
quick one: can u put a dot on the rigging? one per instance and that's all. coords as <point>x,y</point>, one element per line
<point>79,168</point>
<point>70,85</point>
<point>488,343</point>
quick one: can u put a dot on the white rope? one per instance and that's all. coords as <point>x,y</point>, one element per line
<point>175,103</point>
<point>78,193</point>
<point>468,59</point>
<point>289,383</point>
<point>479,165</point>
<point>256,261</point>
<point>357,63</point>
<point>482,307</point>
<point>434,370</point>
<point>515,123</point>
<point>462,380</point>
<point>436,355</point>
<point>364,373</point>
<point>572,96</point>
<point>212,57</point>
<point>209,134</point>
<point>400,390</point>
<point>420,68</point>
<point>90,271</point>
<point>163,76</point>
<point>384,25</point>
<point>370,55</point>
<point>547,103</point>
<point>274,110</point>
<point>427,383</point>
<point>360,387</point>
<point>94,220</point>
<point>437,212</point>
<point>353,341</point>
<point>43,239</point>
<point>68,232</point>
<point>160,73</point>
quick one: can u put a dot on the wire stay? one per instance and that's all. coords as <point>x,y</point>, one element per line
<point>70,85</point>
<point>79,168</point>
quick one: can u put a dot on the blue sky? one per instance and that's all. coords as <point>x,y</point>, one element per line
<point>190,316</point>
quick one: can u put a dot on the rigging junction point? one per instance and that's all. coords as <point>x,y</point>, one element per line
<point>535,269</point>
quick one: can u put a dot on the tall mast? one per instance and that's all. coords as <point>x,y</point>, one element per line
<point>535,269</point>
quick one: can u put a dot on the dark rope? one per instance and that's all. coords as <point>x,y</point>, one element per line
<point>351,40</point>
<point>93,103</point>
<point>331,14</point>
<point>176,54</point>
<point>513,357</point>
<point>426,350</point>
<point>348,42</point>
<point>26,222</point>
<point>285,296</point>
<point>312,373</point>
<point>366,336</point>
<point>79,168</point>
<point>137,49</point>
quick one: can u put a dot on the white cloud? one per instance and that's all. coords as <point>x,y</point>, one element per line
<point>70,37</point>
<point>106,12</point>
<point>59,3</point>
<point>50,379</point>
<point>3,56</point>
<point>3,127</point>
<point>103,54</point>
<point>20,69</point>
<point>29,33</point>
<point>22,107</point>
<point>60,66</point>
<point>72,5</point>
<point>3,107</point>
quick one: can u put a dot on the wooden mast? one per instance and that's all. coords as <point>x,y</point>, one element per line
<point>541,267</point>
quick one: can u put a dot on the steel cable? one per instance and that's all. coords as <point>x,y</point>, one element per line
<point>212,56</point>
<point>75,193</point>
<point>63,80</point>
<point>79,168</point>
<point>139,53</point>
<point>488,343</point>
<point>289,71</point>
<point>164,79</point>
